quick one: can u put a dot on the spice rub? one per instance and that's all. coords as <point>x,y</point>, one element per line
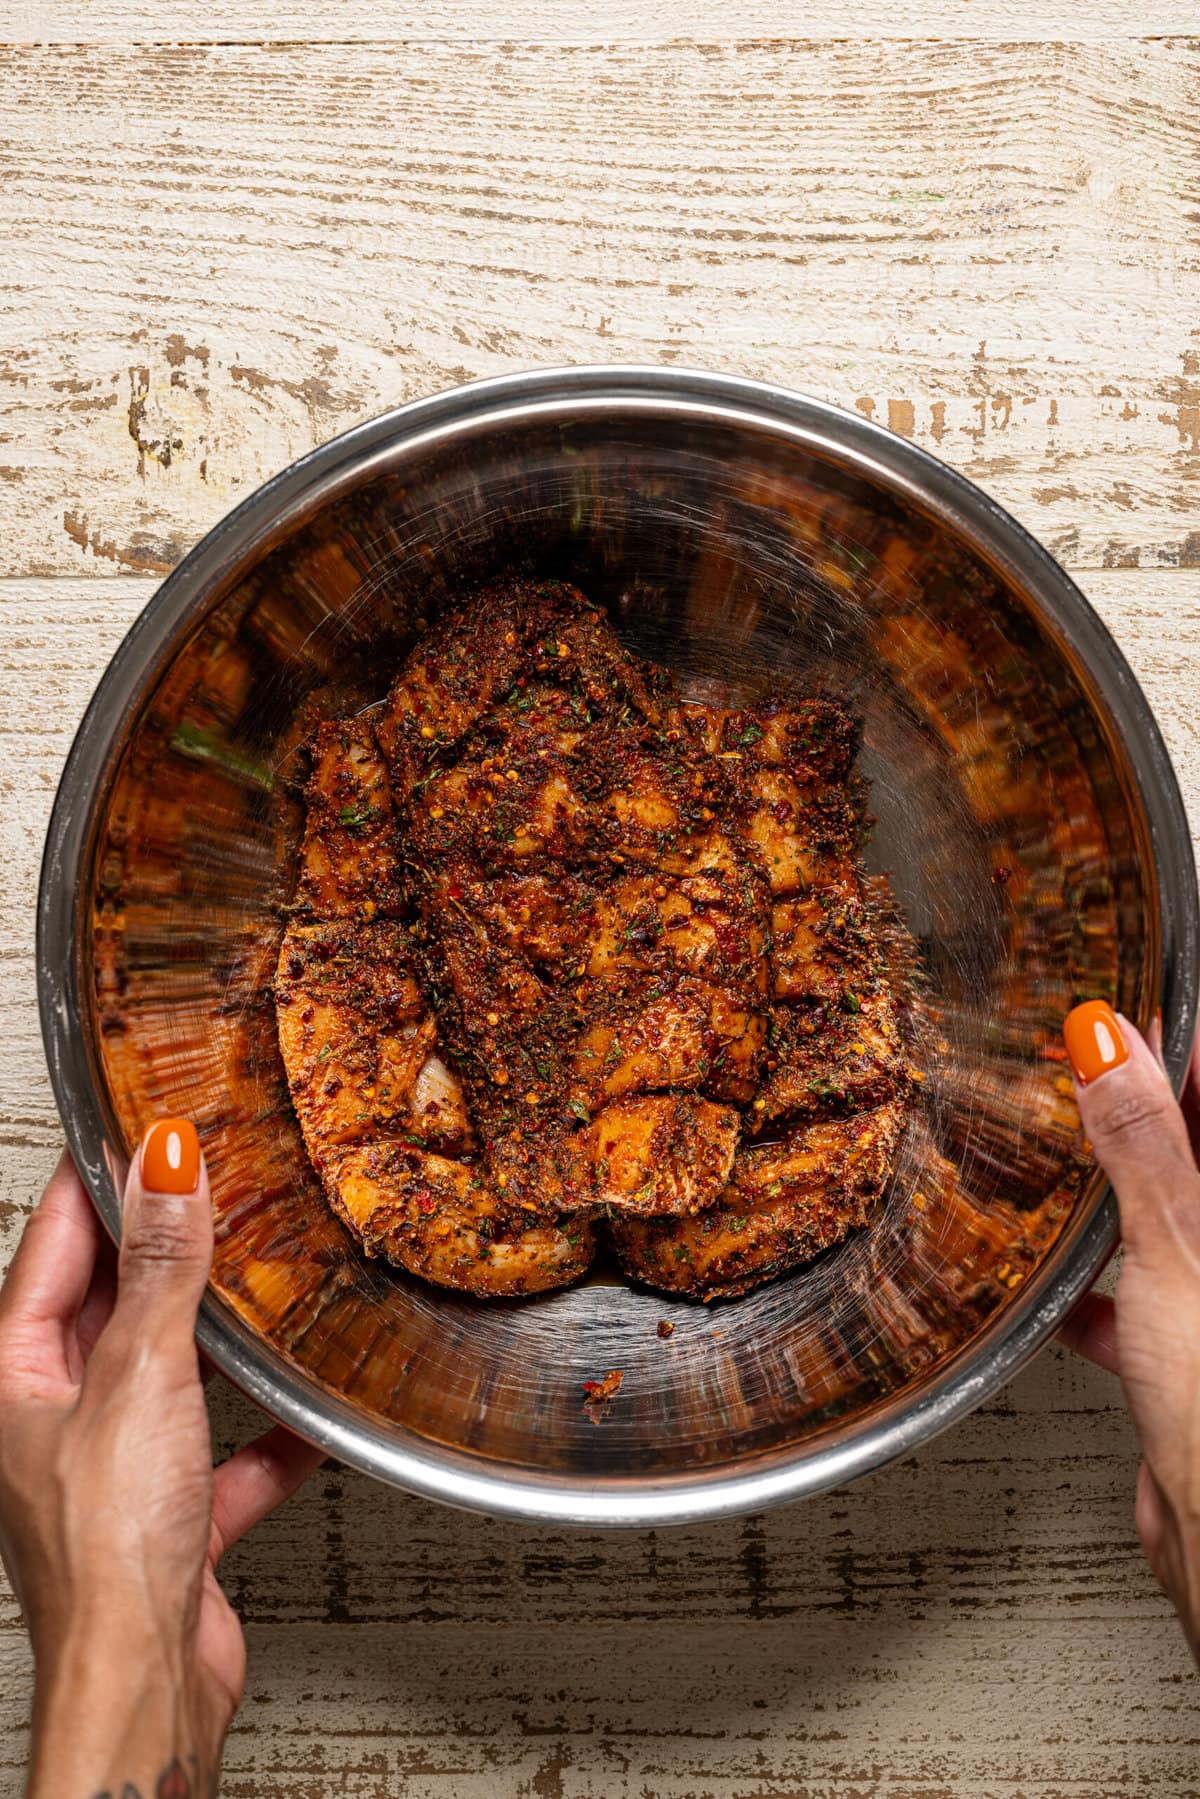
<point>569,955</point>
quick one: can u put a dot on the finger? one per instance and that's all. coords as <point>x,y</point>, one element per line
<point>52,1267</point>
<point>1091,1330</point>
<point>1154,1040</point>
<point>1148,1513</point>
<point>97,1308</point>
<point>255,1481</point>
<point>166,1237</point>
<point>1191,1098</point>
<point>1135,1126</point>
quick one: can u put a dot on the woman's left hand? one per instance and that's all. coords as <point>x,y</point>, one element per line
<point>112,1518</point>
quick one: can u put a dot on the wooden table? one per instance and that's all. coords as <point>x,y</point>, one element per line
<point>230,230</point>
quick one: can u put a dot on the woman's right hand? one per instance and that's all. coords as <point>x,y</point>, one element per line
<point>1150,1334</point>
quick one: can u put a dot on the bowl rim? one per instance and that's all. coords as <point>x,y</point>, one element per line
<point>267,516</point>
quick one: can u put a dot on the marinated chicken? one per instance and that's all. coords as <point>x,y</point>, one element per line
<point>382,1114</point>
<point>569,954</point>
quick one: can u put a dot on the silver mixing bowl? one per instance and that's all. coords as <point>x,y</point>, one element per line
<point>1027,814</point>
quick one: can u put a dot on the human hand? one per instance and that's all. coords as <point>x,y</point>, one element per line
<point>1150,1334</point>
<point>112,1518</point>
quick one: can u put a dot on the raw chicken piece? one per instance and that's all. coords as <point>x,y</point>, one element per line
<point>358,1036</point>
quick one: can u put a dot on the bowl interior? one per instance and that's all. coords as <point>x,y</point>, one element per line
<point>1010,820</point>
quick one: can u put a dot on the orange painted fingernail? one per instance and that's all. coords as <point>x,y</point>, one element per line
<point>1093,1040</point>
<point>171,1157</point>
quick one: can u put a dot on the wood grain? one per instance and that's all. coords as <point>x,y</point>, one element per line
<point>217,256</point>
<point>978,245</point>
<point>976,1621</point>
<point>565,22</point>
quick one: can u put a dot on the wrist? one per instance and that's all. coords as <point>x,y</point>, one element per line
<point>118,1712</point>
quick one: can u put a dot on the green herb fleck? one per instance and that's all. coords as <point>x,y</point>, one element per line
<point>202,746</point>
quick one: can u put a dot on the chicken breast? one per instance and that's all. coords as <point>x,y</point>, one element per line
<point>349,865</point>
<point>575,973</point>
<point>784,1205</point>
<point>437,1219</point>
<point>359,1039</point>
<point>383,1115</point>
<point>660,1154</point>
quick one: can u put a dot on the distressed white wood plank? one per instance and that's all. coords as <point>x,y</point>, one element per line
<point>904,1708</point>
<point>53,650</point>
<point>986,246</point>
<point>1023,1511</point>
<point>974,1621</point>
<point>566,22</point>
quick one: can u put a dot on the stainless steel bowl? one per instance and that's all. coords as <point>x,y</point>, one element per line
<point>1027,813</point>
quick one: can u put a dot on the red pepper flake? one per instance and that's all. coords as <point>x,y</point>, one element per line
<point>425,1203</point>
<point>1001,876</point>
<point>598,1393</point>
<point>665,1328</point>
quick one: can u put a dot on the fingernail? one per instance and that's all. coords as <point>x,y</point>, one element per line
<point>171,1157</point>
<point>1093,1041</point>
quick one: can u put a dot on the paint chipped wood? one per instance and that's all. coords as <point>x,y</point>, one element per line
<point>982,245</point>
<point>565,22</point>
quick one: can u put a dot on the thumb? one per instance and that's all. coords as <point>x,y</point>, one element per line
<point>166,1235</point>
<point>1136,1128</point>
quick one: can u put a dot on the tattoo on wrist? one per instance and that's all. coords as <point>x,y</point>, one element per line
<point>175,1782</point>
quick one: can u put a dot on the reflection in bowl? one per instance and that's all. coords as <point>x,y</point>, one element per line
<point>1027,816</point>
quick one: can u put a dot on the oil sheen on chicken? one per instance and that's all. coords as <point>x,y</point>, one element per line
<point>569,956</point>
